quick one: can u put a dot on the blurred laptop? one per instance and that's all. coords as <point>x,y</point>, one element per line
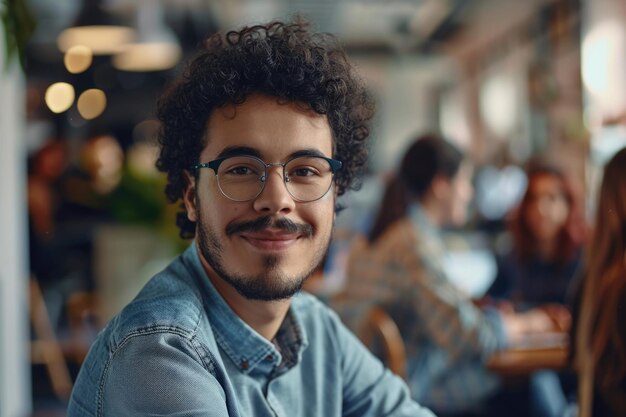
<point>471,270</point>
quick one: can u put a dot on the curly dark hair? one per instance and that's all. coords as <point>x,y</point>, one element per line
<point>282,60</point>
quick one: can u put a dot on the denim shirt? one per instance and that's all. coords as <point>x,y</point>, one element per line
<point>178,349</point>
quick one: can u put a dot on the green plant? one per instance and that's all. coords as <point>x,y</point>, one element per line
<point>19,24</point>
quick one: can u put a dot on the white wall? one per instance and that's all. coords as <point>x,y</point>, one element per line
<point>404,90</point>
<point>15,393</point>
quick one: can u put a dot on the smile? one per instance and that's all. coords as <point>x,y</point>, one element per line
<point>269,241</point>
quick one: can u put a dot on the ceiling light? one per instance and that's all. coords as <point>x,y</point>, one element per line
<point>156,48</point>
<point>96,29</point>
<point>102,40</point>
<point>147,57</point>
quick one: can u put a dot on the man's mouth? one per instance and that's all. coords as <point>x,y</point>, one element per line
<point>267,227</point>
<point>270,240</point>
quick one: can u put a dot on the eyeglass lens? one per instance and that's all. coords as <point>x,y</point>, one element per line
<point>242,178</point>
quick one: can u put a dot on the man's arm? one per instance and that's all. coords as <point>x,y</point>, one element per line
<point>160,374</point>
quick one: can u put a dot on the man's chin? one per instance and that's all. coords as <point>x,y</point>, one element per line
<point>262,290</point>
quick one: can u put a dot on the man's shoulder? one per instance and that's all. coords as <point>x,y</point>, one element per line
<point>170,302</point>
<point>167,319</point>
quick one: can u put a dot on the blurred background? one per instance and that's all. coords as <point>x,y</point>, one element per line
<point>83,218</point>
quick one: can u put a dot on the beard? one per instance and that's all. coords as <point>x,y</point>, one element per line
<point>271,283</point>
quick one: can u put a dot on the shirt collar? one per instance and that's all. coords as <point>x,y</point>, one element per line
<point>242,344</point>
<point>420,219</point>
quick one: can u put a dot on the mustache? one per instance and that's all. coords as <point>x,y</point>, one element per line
<point>266,222</point>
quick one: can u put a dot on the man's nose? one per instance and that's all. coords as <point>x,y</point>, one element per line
<point>274,198</point>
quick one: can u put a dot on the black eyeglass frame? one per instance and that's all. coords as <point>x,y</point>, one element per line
<point>335,165</point>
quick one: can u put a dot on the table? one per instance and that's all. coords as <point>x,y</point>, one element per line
<point>549,351</point>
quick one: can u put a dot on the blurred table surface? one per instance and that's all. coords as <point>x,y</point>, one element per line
<point>548,351</point>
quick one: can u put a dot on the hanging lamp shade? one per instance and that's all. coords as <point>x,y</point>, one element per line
<point>157,47</point>
<point>96,29</point>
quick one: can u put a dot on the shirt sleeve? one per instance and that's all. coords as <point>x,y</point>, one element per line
<point>160,374</point>
<point>368,388</point>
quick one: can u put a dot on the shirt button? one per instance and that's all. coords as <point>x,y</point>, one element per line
<point>269,357</point>
<point>244,364</point>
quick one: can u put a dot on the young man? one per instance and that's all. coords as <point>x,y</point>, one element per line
<point>266,127</point>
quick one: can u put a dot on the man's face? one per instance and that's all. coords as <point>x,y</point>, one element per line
<point>264,248</point>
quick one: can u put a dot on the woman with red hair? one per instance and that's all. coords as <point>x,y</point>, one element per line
<point>547,231</point>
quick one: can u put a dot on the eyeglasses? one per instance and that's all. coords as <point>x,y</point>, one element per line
<point>242,178</point>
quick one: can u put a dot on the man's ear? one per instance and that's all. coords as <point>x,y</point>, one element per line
<point>189,197</point>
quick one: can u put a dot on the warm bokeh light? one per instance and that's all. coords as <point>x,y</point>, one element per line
<point>102,40</point>
<point>59,97</point>
<point>92,103</point>
<point>77,59</point>
<point>146,131</point>
<point>103,158</point>
<point>142,158</point>
<point>147,57</point>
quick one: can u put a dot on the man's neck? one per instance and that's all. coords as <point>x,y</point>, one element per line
<point>265,317</point>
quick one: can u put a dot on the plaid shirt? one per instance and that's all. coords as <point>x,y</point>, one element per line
<point>447,338</point>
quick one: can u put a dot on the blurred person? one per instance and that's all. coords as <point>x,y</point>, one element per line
<point>547,231</point>
<point>58,259</point>
<point>447,338</point>
<point>599,335</point>
<point>45,169</point>
<point>266,127</point>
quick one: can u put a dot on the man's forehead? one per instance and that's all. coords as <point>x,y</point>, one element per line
<point>268,125</point>
<point>258,102</point>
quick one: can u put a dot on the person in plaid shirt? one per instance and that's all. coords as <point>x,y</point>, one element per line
<point>447,337</point>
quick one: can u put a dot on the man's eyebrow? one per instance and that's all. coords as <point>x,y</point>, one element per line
<point>307,152</point>
<point>247,151</point>
<point>238,151</point>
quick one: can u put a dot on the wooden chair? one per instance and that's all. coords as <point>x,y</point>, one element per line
<point>45,347</point>
<point>379,325</point>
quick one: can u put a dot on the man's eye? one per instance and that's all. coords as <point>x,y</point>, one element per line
<point>240,170</point>
<point>304,172</point>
